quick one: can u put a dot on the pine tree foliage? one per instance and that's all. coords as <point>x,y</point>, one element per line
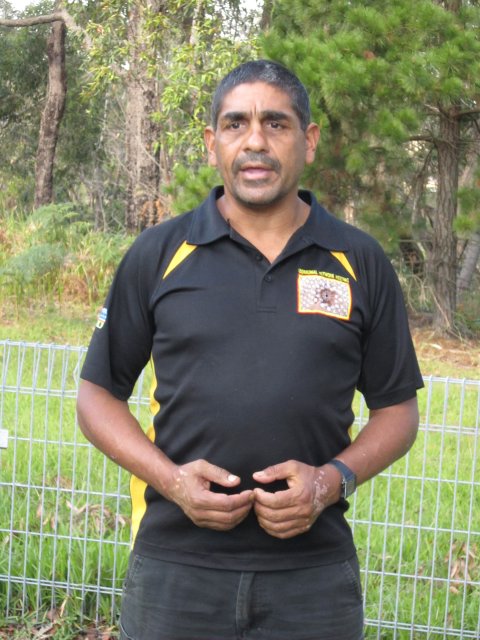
<point>395,85</point>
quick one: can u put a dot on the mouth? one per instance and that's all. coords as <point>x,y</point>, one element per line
<point>256,167</point>
<point>256,172</point>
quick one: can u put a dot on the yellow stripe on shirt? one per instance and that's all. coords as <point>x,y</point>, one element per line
<point>138,486</point>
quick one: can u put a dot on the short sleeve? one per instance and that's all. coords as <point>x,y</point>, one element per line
<point>390,373</point>
<point>122,341</point>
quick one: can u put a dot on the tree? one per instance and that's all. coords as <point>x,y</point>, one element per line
<point>23,70</point>
<point>395,84</point>
<point>140,79</point>
<point>469,218</point>
<point>165,56</point>
<point>142,132</point>
<point>51,116</point>
<point>54,102</point>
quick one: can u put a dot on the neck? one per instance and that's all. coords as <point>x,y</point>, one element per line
<point>269,228</point>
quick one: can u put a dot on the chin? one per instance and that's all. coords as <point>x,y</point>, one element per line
<point>258,201</point>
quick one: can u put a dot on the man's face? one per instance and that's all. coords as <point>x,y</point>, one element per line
<point>258,145</point>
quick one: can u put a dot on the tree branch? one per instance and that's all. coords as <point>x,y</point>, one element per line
<point>29,22</point>
<point>469,112</point>
<point>421,139</point>
<point>432,108</point>
<point>61,15</point>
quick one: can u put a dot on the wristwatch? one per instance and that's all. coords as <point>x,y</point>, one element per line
<point>349,479</point>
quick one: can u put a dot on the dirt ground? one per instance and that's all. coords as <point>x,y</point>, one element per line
<point>446,356</point>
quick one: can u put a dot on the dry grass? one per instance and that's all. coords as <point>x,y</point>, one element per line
<point>446,356</point>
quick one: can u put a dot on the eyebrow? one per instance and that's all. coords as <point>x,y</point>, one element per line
<point>269,114</point>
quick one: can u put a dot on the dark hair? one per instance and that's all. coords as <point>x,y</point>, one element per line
<point>271,73</point>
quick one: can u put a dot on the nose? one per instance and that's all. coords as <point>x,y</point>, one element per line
<point>256,140</point>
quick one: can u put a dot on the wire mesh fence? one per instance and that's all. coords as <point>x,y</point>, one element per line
<point>65,509</point>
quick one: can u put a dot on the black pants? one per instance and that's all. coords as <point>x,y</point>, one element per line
<point>168,601</point>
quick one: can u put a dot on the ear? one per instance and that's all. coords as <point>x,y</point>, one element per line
<point>312,136</point>
<point>209,137</point>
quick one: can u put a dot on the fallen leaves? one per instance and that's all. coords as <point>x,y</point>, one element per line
<point>97,517</point>
<point>464,564</point>
<point>55,620</point>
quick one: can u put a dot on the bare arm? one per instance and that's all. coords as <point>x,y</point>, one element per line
<point>108,423</point>
<point>388,435</point>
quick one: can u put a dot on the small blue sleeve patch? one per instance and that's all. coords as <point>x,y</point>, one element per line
<point>102,317</point>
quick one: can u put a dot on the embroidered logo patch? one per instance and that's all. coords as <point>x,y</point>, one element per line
<point>324,293</point>
<point>101,318</point>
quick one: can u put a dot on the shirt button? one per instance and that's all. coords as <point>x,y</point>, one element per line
<point>268,278</point>
<point>258,257</point>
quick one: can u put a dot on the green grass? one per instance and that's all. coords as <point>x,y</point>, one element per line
<point>418,537</point>
<point>55,522</point>
<point>420,540</point>
<point>55,270</point>
<point>58,324</point>
<point>425,543</point>
<point>416,555</point>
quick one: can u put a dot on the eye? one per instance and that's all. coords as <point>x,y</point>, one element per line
<point>233,125</point>
<point>274,124</point>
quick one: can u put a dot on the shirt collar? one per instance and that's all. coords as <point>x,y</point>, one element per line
<point>208,223</point>
<point>320,228</point>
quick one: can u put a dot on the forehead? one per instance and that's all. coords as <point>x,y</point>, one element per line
<point>255,97</point>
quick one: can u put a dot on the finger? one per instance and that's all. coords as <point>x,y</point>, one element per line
<point>279,471</point>
<point>214,473</point>
<point>276,500</point>
<point>287,534</point>
<point>220,520</point>
<point>285,519</point>
<point>280,515</point>
<point>222,502</point>
<point>285,529</point>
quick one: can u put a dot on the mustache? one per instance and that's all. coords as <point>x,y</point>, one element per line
<point>259,158</point>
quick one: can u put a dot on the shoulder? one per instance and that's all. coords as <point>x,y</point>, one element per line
<point>362,247</point>
<point>374,270</point>
<point>166,233</point>
<point>151,251</point>
<point>364,253</point>
<point>336,234</point>
<point>155,245</point>
<point>357,240</point>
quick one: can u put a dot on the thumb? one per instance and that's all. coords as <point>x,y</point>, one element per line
<point>218,475</point>
<point>272,473</point>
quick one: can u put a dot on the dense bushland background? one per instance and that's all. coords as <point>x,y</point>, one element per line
<point>103,104</point>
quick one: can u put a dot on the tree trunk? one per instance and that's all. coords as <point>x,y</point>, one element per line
<point>51,116</point>
<point>266,18</point>
<point>443,263</point>
<point>470,261</point>
<point>471,254</point>
<point>143,175</point>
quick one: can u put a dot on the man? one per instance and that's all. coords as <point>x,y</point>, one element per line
<point>262,314</point>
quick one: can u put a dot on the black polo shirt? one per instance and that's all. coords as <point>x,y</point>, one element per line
<point>255,364</point>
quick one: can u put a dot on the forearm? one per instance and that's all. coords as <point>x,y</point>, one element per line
<point>387,436</point>
<point>109,425</point>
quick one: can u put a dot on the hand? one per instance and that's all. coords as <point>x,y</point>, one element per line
<point>190,489</point>
<point>288,513</point>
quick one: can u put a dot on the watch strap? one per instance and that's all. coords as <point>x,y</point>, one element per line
<point>349,479</point>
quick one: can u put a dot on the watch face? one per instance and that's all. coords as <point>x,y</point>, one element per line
<point>349,485</point>
<point>349,480</point>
